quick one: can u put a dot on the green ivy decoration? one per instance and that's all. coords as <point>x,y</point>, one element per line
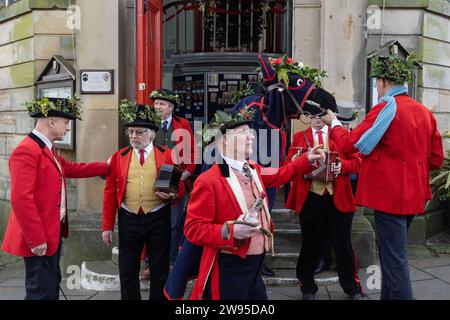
<point>157,95</point>
<point>241,94</point>
<point>284,65</point>
<point>393,68</point>
<point>224,120</point>
<point>44,105</point>
<point>129,112</point>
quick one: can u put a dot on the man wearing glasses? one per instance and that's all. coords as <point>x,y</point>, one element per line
<point>233,251</point>
<point>144,213</point>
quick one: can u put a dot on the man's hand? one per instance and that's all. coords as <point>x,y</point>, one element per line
<point>336,168</point>
<point>316,153</point>
<point>329,117</point>
<point>164,197</point>
<point>40,250</point>
<point>242,231</point>
<point>107,237</point>
<point>295,156</point>
<point>185,176</point>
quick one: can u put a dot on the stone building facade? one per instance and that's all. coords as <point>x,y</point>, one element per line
<point>335,35</point>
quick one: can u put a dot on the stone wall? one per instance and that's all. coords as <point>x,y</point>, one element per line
<point>422,26</point>
<point>331,35</point>
<point>31,33</point>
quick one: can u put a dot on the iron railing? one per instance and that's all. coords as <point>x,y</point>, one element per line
<point>225,26</point>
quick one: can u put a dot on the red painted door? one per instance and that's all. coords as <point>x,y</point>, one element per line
<point>148,48</point>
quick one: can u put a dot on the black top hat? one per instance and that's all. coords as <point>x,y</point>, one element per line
<point>138,115</point>
<point>68,108</point>
<point>165,94</point>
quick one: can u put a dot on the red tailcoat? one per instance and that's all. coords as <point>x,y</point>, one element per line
<point>181,123</point>
<point>36,196</point>
<point>394,177</point>
<point>342,190</point>
<point>116,181</point>
<point>213,203</point>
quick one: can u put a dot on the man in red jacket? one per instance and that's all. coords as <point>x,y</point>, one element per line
<point>176,133</point>
<point>143,211</point>
<point>324,206</point>
<point>39,196</point>
<point>399,142</point>
<point>233,252</point>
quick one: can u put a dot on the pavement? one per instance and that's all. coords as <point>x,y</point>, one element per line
<point>430,279</point>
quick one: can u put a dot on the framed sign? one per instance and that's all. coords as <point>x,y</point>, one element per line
<point>58,80</point>
<point>97,81</point>
<point>61,92</point>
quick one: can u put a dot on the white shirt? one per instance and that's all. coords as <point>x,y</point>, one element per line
<point>62,210</point>
<point>335,123</point>
<point>235,164</point>
<point>148,149</point>
<point>169,121</point>
<point>324,135</point>
<point>44,139</point>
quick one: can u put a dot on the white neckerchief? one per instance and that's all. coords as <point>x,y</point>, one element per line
<point>147,150</point>
<point>235,164</point>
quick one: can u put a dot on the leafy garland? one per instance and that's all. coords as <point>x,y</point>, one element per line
<point>157,95</point>
<point>224,120</point>
<point>66,105</point>
<point>240,94</point>
<point>284,65</point>
<point>129,112</point>
<point>393,68</point>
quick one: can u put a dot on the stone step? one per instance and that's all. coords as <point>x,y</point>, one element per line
<point>281,260</point>
<point>283,216</point>
<point>288,277</point>
<point>288,236</point>
<point>104,276</point>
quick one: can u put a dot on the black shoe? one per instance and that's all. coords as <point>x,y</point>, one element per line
<point>265,271</point>
<point>358,296</point>
<point>308,296</point>
<point>321,266</point>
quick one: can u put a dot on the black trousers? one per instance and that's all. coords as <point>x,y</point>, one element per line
<point>317,212</point>
<point>239,279</point>
<point>43,276</point>
<point>153,229</point>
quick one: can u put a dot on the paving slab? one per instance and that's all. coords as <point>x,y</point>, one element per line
<point>12,293</point>
<point>430,262</point>
<point>418,275</point>
<point>433,289</point>
<point>106,296</point>
<point>442,272</point>
<point>19,282</point>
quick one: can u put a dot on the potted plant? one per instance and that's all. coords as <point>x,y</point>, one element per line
<point>440,185</point>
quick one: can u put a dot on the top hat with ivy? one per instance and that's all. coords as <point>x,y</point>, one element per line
<point>223,121</point>
<point>68,108</point>
<point>165,94</point>
<point>394,68</point>
<point>137,115</point>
